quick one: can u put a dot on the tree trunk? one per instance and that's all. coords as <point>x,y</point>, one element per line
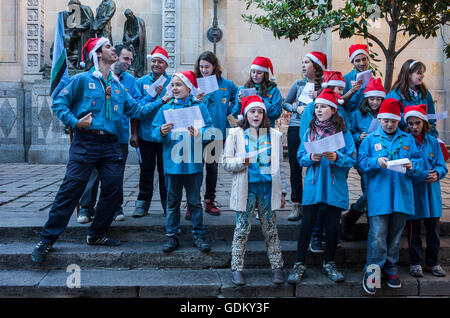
<point>389,73</point>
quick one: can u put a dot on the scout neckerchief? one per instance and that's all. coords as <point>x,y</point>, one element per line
<point>391,154</point>
<point>187,102</point>
<point>370,112</point>
<point>415,96</point>
<point>107,87</point>
<point>261,143</point>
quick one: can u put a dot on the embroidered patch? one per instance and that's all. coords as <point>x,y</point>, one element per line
<point>378,147</point>
<point>146,87</point>
<point>116,108</point>
<point>127,89</point>
<point>116,91</point>
<point>224,100</point>
<point>223,89</point>
<point>406,147</point>
<point>94,103</point>
<point>431,155</point>
<point>91,85</point>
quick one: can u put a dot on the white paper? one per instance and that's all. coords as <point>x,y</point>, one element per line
<point>397,165</point>
<point>442,115</point>
<point>151,90</point>
<point>364,77</point>
<point>330,143</point>
<point>374,124</point>
<point>208,84</point>
<point>305,96</point>
<point>169,90</point>
<point>251,154</point>
<point>183,118</point>
<point>247,92</point>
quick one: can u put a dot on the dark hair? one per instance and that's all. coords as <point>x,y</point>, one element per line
<point>120,47</point>
<point>318,73</point>
<point>266,84</point>
<point>364,109</point>
<point>336,121</point>
<point>402,82</point>
<point>426,126</point>
<point>211,58</point>
<point>244,124</point>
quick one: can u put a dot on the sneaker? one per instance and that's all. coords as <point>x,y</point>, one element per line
<point>141,210</point>
<point>278,276</point>
<point>237,278</point>
<point>437,271</point>
<point>119,216</point>
<point>316,245</point>
<point>415,271</point>
<point>332,273</point>
<point>296,213</point>
<point>105,241</point>
<point>393,281</point>
<point>211,208</point>
<point>297,274</point>
<point>171,244</point>
<point>371,290</point>
<point>40,252</point>
<point>203,246</point>
<point>83,219</point>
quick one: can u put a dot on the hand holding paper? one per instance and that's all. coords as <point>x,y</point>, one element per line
<point>399,165</point>
<point>327,144</point>
<point>247,92</point>
<point>364,77</point>
<point>208,84</point>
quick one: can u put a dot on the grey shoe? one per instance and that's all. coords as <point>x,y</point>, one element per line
<point>437,271</point>
<point>278,276</point>
<point>237,278</point>
<point>40,252</point>
<point>415,271</point>
<point>332,273</point>
<point>119,216</point>
<point>297,273</point>
<point>85,216</point>
<point>142,207</point>
<point>296,213</point>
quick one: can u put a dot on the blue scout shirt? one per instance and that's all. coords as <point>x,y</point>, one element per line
<point>259,170</point>
<point>185,163</point>
<point>389,191</point>
<point>326,181</point>
<point>416,100</point>
<point>308,114</point>
<point>356,100</point>
<point>427,196</point>
<point>360,123</point>
<point>145,126</point>
<point>272,101</point>
<point>130,84</point>
<point>220,103</point>
<point>85,94</point>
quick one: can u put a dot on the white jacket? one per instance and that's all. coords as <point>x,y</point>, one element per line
<point>234,144</point>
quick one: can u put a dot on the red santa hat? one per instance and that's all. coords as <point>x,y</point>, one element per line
<point>419,111</point>
<point>390,109</point>
<point>332,78</point>
<point>375,88</point>
<point>318,58</point>
<point>91,47</point>
<point>358,49</point>
<point>443,149</point>
<point>189,79</point>
<point>330,98</point>
<point>264,64</point>
<point>160,52</point>
<point>250,102</point>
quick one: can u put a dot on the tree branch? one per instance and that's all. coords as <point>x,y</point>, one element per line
<point>375,39</point>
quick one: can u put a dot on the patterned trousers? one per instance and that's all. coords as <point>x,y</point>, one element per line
<point>259,197</point>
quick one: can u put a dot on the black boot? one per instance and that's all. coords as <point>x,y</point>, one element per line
<point>348,222</point>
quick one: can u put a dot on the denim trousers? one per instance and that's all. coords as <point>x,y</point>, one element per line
<point>89,197</point>
<point>87,151</point>
<point>192,183</point>
<point>383,241</point>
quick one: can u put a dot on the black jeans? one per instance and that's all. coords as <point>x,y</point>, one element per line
<point>413,229</point>
<point>211,171</point>
<point>331,217</point>
<point>151,153</point>
<point>293,140</point>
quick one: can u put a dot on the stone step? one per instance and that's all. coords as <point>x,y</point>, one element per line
<point>206,283</point>
<point>150,255</point>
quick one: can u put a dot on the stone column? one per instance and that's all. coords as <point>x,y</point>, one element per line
<point>34,39</point>
<point>169,32</point>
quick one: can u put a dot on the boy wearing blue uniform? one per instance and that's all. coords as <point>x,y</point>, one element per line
<point>183,166</point>
<point>150,149</point>
<point>427,195</point>
<point>93,104</point>
<point>390,194</point>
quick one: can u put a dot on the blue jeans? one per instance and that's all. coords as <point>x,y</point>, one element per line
<point>192,183</point>
<point>383,241</point>
<point>87,151</point>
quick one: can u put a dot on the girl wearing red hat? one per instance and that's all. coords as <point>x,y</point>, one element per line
<point>313,65</point>
<point>254,155</point>
<point>427,195</point>
<point>265,88</point>
<point>361,121</point>
<point>325,188</point>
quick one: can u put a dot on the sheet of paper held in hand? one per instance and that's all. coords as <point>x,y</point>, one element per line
<point>442,115</point>
<point>305,96</point>
<point>330,143</point>
<point>251,154</point>
<point>374,124</point>
<point>247,92</point>
<point>182,118</point>
<point>397,165</point>
<point>152,88</point>
<point>169,90</point>
<point>364,77</point>
<point>208,84</point>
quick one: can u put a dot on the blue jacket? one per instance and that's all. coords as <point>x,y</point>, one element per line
<point>185,163</point>
<point>84,93</point>
<point>130,84</point>
<point>427,196</point>
<point>220,104</point>
<point>356,100</point>
<point>359,123</point>
<point>326,181</point>
<point>389,191</point>
<point>145,126</point>
<point>272,102</point>
<point>428,100</point>
<point>308,114</point>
